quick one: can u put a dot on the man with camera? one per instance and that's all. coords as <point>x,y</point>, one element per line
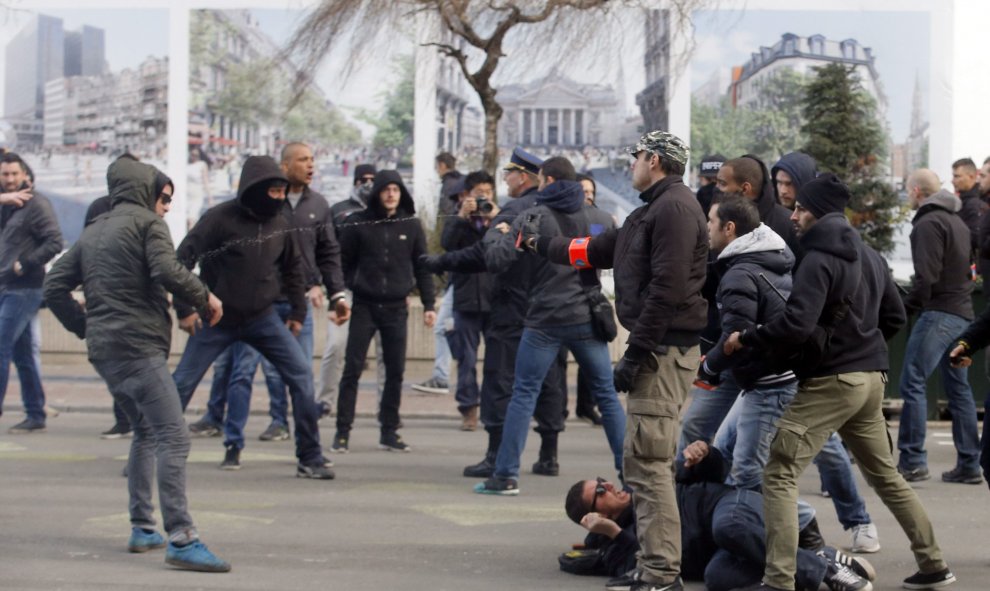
<point>472,291</point>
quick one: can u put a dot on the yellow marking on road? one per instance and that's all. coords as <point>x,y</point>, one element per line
<point>402,486</point>
<point>491,514</point>
<point>215,457</point>
<point>6,446</point>
<point>40,456</point>
<point>118,525</point>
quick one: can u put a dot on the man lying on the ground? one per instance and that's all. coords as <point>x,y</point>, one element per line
<point>722,532</point>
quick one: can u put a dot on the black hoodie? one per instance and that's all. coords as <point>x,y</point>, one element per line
<point>798,165</point>
<point>380,253</point>
<point>773,214</point>
<point>838,268</point>
<point>247,252</point>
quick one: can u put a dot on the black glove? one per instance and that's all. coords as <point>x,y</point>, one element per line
<point>625,374</point>
<point>432,262</point>
<point>706,380</point>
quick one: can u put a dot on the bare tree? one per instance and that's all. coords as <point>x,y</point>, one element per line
<point>474,34</point>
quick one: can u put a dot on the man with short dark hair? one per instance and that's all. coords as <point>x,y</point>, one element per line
<point>832,333</point>
<point>29,238</point>
<point>941,295</point>
<point>472,291</point>
<point>964,181</point>
<point>722,531</point>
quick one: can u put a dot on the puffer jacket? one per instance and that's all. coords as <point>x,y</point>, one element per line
<point>126,263</point>
<point>755,271</point>
<point>247,259</point>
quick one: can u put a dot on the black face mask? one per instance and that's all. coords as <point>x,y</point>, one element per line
<point>261,205</point>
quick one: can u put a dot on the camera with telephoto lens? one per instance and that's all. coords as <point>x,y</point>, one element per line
<point>484,205</point>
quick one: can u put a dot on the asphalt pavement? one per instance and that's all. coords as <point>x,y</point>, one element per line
<point>389,520</point>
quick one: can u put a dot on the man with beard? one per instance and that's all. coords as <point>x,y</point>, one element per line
<point>843,307</point>
<point>790,173</point>
<point>249,257</point>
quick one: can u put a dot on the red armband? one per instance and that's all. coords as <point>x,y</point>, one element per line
<point>578,252</point>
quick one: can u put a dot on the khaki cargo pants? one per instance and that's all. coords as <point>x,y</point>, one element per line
<point>652,429</point>
<point>849,403</point>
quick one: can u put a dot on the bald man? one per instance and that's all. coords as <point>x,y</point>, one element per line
<point>941,296</point>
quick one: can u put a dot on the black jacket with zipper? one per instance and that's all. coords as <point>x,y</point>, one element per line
<point>472,291</point>
<point>317,241</point>
<point>381,253</point>
<point>29,235</point>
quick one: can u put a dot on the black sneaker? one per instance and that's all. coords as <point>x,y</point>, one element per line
<point>117,431</point>
<point>275,432</point>
<point>27,426</point>
<point>204,427</point>
<point>842,578</point>
<point>548,467</point>
<point>323,407</point>
<point>392,442</point>
<point>317,470</point>
<point>483,469</point>
<point>232,459</point>
<point>677,585</point>
<point>340,443</point>
<point>498,486</point>
<point>758,587</point>
<point>958,476</point>
<point>622,582</point>
<point>433,386</point>
<point>919,580</point>
<point>914,474</point>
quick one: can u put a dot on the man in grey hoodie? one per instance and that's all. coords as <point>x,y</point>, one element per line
<point>940,295</point>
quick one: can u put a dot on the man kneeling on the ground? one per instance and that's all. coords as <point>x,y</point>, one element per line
<point>722,532</point>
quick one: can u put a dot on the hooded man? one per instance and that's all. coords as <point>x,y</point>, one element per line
<point>248,255</point>
<point>126,264</point>
<point>558,315</point>
<point>843,306</point>
<point>941,295</point>
<point>381,247</point>
<point>790,173</point>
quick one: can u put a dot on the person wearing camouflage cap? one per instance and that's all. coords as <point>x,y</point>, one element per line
<point>659,256</point>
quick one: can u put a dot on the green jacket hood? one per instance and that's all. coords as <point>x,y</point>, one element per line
<point>132,182</point>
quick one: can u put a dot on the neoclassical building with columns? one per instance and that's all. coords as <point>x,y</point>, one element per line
<point>557,111</point>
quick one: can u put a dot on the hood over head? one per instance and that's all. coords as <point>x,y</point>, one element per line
<point>383,178</point>
<point>133,182</point>
<point>942,199</point>
<point>565,196</point>
<point>764,246</point>
<point>768,195</point>
<point>258,173</point>
<point>798,165</point>
<point>832,234</point>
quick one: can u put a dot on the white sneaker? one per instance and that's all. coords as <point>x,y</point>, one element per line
<point>865,539</point>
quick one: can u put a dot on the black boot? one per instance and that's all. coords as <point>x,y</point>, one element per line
<point>486,467</point>
<point>810,538</point>
<point>547,464</point>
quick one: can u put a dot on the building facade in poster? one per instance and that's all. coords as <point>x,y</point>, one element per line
<point>654,99</point>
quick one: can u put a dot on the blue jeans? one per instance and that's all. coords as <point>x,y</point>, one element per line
<point>272,339</point>
<point>17,308</point>
<point>748,430</point>
<point>468,330</point>
<point>245,360</point>
<point>707,411</point>
<point>739,531</point>
<point>931,336</point>
<point>147,394</point>
<point>538,349</point>
<point>441,360</point>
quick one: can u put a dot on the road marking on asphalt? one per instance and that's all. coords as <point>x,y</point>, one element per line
<point>40,456</point>
<point>118,525</point>
<point>215,457</point>
<point>941,434</point>
<point>494,513</point>
<point>945,442</point>
<point>7,446</point>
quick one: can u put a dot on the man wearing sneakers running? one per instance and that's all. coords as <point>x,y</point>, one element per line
<point>126,263</point>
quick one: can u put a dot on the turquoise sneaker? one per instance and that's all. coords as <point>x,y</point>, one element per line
<point>142,541</point>
<point>196,556</point>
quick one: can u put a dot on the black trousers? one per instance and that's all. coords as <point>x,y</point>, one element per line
<point>501,344</point>
<point>390,321</point>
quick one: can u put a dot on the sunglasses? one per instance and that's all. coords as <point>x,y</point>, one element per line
<point>165,198</point>
<point>599,491</point>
